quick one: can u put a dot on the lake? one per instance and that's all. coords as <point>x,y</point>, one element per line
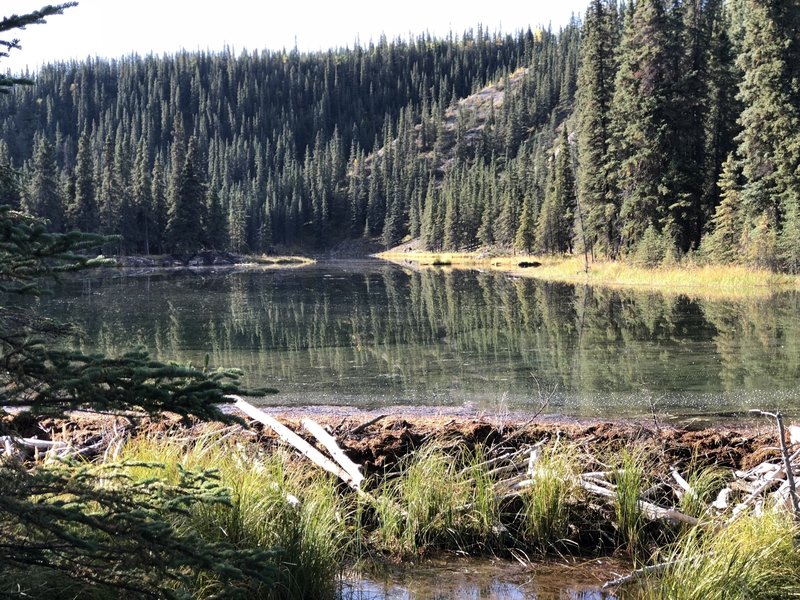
<point>371,334</point>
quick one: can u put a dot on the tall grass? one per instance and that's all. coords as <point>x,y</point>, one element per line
<point>699,280</point>
<point>546,503</point>
<point>438,498</point>
<point>705,484</point>
<point>275,503</point>
<point>755,557</point>
<point>629,481</point>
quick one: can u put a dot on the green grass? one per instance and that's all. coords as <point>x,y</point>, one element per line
<point>755,557</point>
<point>705,484</point>
<point>629,481</point>
<point>440,499</point>
<point>546,504</point>
<point>276,503</point>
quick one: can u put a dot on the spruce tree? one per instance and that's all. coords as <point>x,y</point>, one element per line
<point>642,161</point>
<point>43,195</point>
<point>526,232</point>
<point>594,112</point>
<point>83,211</point>
<point>769,143</point>
<point>722,243</point>
<point>187,213</point>
<point>92,528</point>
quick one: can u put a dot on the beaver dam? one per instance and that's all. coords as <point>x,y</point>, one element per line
<point>627,509</point>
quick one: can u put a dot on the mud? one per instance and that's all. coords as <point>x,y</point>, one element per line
<point>377,440</point>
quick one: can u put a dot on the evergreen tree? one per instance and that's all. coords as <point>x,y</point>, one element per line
<point>526,232</point>
<point>187,213</point>
<point>594,113</point>
<point>43,196</point>
<point>555,228</point>
<point>769,143</point>
<point>722,244</point>
<point>83,213</point>
<point>158,197</point>
<point>92,528</point>
<point>142,201</point>
<point>216,233</point>
<point>646,157</point>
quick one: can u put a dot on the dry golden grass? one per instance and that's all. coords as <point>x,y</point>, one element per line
<point>702,281</point>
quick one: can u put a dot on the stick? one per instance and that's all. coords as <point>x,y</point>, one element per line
<point>337,453</point>
<point>634,575</point>
<point>366,424</point>
<point>651,511</point>
<point>683,483</point>
<point>787,461</point>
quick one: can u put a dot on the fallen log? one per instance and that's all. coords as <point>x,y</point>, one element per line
<point>649,510</point>
<point>327,440</point>
<point>294,440</point>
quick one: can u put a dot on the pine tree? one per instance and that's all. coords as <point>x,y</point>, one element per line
<point>722,244</point>
<point>594,112</point>
<point>217,230</point>
<point>92,528</point>
<point>526,232</point>
<point>142,201</point>
<point>645,155</point>
<point>158,196</point>
<point>187,214</point>
<point>83,212</point>
<point>43,196</point>
<point>769,143</point>
<point>10,191</point>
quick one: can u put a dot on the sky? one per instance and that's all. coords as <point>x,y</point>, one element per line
<point>114,28</point>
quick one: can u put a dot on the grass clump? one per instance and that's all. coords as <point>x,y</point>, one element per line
<point>440,499</point>
<point>629,479</point>
<point>275,503</point>
<point>705,484</point>
<point>754,557</point>
<point>547,502</point>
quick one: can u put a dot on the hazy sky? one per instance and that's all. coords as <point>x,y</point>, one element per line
<point>112,28</point>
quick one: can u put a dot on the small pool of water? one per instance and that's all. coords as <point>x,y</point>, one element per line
<point>482,579</point>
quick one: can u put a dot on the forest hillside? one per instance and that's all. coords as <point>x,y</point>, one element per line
<point>645,131</point>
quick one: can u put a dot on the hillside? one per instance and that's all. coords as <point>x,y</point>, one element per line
<point>453,141</point>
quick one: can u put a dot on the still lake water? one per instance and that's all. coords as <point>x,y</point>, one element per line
<point>371,334</point>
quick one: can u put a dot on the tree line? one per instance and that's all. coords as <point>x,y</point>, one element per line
<point>647,130</point>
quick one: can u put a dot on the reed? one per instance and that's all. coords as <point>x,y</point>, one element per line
<point>629,479</point>
<point>274,503</point>
<point>439,498</point>
<point>547,502</point>
<point>755,557</point>
<point>705,484</point>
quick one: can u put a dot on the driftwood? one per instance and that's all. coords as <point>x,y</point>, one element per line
<point>327,440</point>
<point>294,440</point>
<point>649,510</point>
<point>787,460</point>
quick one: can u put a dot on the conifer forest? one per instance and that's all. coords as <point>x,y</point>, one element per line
<point>643,130</point>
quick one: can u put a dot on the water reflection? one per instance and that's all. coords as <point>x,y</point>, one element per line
<point>475,579</point>
<point>372,333</point>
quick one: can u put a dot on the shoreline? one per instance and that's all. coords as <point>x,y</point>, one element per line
<point>704,281</point>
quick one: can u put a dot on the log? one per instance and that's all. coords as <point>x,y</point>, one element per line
<point>366,424</point>
<point>294,440</point>
<point>651,511</point>
<point>636,574</point>
<point>787,460</point>
<point>335,450</point>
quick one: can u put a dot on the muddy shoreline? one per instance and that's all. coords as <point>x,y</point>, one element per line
<point>378,438</point>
